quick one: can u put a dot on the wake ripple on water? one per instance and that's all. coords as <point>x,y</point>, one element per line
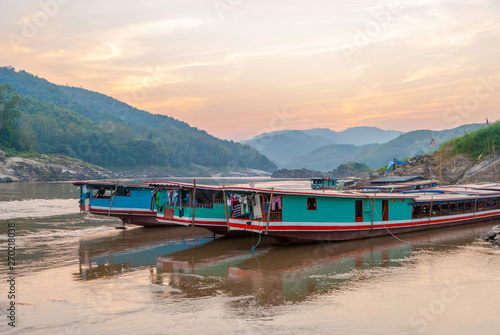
<point>37,208</point>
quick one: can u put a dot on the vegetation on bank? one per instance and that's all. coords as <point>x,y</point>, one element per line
<point>478,144</point>
<point>98,129</point>
<point>350,168</point>
<point>343,170</point>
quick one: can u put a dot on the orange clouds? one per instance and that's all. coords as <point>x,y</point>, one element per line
<point>229,76</point>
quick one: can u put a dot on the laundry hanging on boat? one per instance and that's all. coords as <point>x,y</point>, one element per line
<point>237,210</point>
<point>175,198</point>
<point>257,208</point>
<point>153,200</point>
<point>274,202</point>
<point>245,204</point>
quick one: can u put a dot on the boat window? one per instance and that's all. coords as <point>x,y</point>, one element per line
<point>122,192</point>
<point>101,192</point>
<point>359,210</point>
<point>385,210</point>
<point>311,204</point>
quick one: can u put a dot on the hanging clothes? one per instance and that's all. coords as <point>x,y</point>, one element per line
<point>153,200</point>
<point>237,209</point>
<point>257,208</point>
<point>245,204</point>
<point>160,198</point>
<point>166,199</point>
<point>175,198</point>
<point>274,202</point>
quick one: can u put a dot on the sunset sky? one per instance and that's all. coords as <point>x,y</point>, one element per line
<point>237,68</point>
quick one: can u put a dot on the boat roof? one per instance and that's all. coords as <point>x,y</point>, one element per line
<point>397,179</point>
<point>107,184</point>
<point>457,193</point>
<point>436,194</point>
<point>399,185</point>
<point>172,184</point>
<point>323,178</point>
<point>278,191</point>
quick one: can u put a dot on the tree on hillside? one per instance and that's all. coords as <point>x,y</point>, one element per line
<point>10,137</point>
<point>9,101</point>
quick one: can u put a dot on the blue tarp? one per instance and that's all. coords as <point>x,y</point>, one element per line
<point>391,164</point>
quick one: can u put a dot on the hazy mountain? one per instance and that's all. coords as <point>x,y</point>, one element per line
<point>101,130</point>
<point>329,157</point>
<point>407,145</point>
<point>280,147</point>
<point>287,146</point>
<point>414,143</point>
<point>367,135</point>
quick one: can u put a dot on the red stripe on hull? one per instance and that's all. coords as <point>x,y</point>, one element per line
<point>216,227</point>
<point>337,233</point>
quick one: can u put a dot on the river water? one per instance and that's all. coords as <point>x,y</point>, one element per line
<point>77,274</point>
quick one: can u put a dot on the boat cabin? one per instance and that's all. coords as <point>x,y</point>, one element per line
<point>331,183</point>
<point>131,203</point>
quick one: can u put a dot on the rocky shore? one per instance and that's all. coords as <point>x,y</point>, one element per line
<point>493,236</point>
<point>63,168</point>
<point>49,168</point>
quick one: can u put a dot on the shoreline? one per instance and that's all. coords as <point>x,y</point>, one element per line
<point>49,168</point>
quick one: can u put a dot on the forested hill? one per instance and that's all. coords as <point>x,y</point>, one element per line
<point>104,131</point>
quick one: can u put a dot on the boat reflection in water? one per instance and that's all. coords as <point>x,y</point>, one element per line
<point>134,248</point>
<point>274,274</point>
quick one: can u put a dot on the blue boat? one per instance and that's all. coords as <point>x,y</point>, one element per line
<point>133,204</point>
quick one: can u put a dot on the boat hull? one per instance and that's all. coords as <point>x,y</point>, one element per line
<point>283,232</point>
<point>218,227</point>
<point>135,217</point>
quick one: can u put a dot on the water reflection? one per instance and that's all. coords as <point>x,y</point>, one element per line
<point>195,266</point>
<point>113,255</point>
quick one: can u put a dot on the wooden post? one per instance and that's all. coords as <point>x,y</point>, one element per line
<point>373,207</point>
<point>193,200</point>
<point>112,198</point>
<point>430,210</point>
<point>440,167</point>
<point>475,206</point>
<point>269,211</point>
<point>494,163</point>
<point>225,207</point>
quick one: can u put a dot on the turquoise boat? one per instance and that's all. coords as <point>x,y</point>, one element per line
<point>337,216</point>
<point>327,215</point>
<point>133,204</point>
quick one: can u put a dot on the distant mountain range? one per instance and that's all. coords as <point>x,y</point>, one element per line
<point>324,149</point>
<point>101,130</point>
<point>283,147</point>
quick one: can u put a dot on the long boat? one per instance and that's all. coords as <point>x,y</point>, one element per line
<point>308,215</point>
<point>133,204</point>
<point>337,216</point>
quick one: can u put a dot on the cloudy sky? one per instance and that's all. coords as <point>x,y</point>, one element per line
<point>237,68</point>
